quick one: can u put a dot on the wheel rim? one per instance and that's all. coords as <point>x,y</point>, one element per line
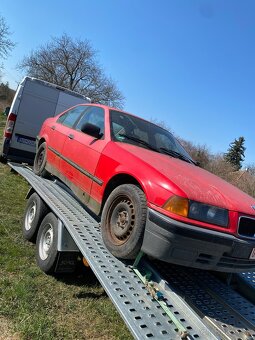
<point>46,241</point>
<point>40,158</point>
<point>121,220</point>
<point>30,216</point>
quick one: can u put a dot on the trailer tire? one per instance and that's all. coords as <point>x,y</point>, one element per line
<point>40,161</point>
<point>46,244</point>
<point>35,211</point>
<point>123,221</point>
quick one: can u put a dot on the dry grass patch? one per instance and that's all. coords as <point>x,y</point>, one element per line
<point>7,330</point>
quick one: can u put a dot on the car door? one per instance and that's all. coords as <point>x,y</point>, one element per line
<point>82,152</point>
<point>60,129</point>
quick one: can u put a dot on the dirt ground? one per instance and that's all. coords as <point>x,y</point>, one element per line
<point>7,332</point>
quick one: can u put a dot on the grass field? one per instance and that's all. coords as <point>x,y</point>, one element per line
<point>34,305</point>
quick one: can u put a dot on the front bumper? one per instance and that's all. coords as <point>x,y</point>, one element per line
<point>172,241</point>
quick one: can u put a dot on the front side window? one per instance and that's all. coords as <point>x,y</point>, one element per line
<point>93,115</point>
<point>133,130</point>
<point>70,117</point>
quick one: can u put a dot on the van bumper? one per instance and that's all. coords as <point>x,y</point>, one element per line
<point>15,155</point>
<point>175,242</point>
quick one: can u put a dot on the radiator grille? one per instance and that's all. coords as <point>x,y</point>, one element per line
<point>247,227</point>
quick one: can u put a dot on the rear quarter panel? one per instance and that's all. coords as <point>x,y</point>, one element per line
<point>45,131</point>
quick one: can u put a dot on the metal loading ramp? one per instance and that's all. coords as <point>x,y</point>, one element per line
<point>140,311</point>
<point>231,315</point>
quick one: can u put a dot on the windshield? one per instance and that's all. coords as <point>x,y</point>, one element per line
<point>133,130</point>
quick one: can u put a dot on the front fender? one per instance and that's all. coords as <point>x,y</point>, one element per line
<point>156,186</point>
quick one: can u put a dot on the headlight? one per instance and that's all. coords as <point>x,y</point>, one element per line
<point>197,211</point>
<point>208,213</point>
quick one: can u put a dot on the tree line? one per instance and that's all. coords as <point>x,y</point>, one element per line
<point>226,165</point>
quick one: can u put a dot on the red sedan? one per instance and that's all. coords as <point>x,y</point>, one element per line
<point>150,194</point>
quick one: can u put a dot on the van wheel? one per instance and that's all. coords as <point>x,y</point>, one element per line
<point>46,244</point>
<point>3,159</point>
<point>35,211</point>
<point>123,221</point>
<point>40,161</point>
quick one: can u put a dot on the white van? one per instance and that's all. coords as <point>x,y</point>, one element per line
<point>34,101</point>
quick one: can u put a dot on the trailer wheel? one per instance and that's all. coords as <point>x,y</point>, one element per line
<point>40,161</point>
<point>46,244</point>
<point>35,211</point>
<point>123,221</point>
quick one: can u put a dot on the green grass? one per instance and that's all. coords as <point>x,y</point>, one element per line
<point>39,306</point>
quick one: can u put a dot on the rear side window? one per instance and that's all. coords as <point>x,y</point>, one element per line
<point>93,115</point>
<point>70,117</point>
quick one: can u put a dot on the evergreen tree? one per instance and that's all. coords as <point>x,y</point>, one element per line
<point>235,153</point>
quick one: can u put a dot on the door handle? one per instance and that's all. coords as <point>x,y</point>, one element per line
<point>71,136</point>
<point>53,127</point>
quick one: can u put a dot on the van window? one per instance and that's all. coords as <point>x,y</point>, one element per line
<point>93,115</point>
<point>70,117</point>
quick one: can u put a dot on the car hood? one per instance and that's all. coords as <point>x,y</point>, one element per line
<point>197,183</point>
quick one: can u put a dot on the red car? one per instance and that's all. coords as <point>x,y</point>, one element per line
<point>150,194</point>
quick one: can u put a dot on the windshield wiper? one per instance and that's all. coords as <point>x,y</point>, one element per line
<point>140,141</point>
<point>161,150</point>
<point>177,155</point>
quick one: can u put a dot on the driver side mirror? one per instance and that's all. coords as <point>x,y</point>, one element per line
<point>91,130</point>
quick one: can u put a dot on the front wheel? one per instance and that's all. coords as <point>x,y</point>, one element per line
<point>40,161</point>
<point>123,221</point>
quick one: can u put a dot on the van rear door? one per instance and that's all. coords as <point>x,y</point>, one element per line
<point>29,121</point>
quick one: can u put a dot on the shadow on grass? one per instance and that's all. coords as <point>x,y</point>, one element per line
<point>81,277</point>
<point>91,295</point>
<point>85,278</point>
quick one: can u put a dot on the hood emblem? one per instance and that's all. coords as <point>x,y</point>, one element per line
<point>253,207</point>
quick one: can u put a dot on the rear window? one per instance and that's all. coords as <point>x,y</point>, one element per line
<point>70,117</point>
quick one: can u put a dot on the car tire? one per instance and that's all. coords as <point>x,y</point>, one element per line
<point>40,161</point>
<point>35,211</point>
<point>123,221</point>
<point>46,244</point>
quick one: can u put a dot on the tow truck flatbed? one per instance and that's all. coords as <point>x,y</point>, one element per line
<point>213,311</point>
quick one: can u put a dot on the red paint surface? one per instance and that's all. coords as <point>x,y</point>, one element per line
<point>159,175</point>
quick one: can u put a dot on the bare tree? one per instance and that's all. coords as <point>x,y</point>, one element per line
<point>72,64</point>
<point>6,45</point>
<point>251,169</point>
<point>199,153</point>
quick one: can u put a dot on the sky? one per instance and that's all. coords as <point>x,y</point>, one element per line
<point>187,63</point>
